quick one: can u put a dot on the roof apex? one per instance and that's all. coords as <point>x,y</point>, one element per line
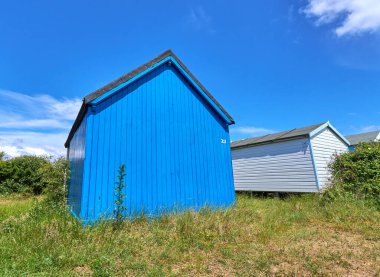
<point>126,77</point>
<point>135,74</point>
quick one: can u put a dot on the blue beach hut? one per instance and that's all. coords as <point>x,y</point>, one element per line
<point>169,132</point>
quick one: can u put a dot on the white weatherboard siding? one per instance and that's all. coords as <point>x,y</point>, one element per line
<point>282,166</point>
<point>325,144</point>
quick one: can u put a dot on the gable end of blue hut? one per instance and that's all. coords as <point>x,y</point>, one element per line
<point>169,132</point>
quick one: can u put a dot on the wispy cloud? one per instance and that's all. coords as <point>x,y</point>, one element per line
<point>241,132</point>
<point>353,16</point>
<point>35,124</point>
<point>290,15</point>
<point>200,20</point>
<point>370,128</point>
<point>249,130</point>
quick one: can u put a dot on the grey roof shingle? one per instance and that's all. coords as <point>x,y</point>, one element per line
<point>290,134</point>
<point>363,137</point>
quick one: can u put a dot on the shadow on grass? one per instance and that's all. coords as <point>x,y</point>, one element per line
<point>272,195</point>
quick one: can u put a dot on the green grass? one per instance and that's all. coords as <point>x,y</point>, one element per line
<point>14,205</point>
<point>259,236</point>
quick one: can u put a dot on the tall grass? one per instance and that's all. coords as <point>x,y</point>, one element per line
<point>258,236</point>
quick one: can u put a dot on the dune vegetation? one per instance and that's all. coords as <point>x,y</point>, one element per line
<point>333,233</point>
<point>258,236</point>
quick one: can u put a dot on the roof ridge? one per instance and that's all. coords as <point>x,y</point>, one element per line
<point>125,77</point>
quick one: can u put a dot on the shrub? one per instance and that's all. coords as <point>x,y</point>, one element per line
<point>357,173</point>
<point>22,174</point>
<point>34,175</point>
<point>54,180</point>
<point>9,186</point>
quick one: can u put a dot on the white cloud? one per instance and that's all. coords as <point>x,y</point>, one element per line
<point>32,143</point>
<point>36,125</point>
<point>370,128</point>
<point>250,130</point>
<point>22,106</point>
<point>354,16</point>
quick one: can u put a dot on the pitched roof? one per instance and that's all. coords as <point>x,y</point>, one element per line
<point>364,137</point>
<point>128,77</point>
<point>286,135</point>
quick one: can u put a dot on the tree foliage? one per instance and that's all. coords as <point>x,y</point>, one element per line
<point>22,175</point>
<point>33,175</point>
<point>54,180</point>
<point>357,173</point>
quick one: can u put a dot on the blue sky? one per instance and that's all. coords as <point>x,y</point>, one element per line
<point>274,65</point>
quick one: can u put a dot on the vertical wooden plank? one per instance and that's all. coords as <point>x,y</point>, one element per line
<point>88,120</point>
<point>129,153</point>
<point>169,139</point>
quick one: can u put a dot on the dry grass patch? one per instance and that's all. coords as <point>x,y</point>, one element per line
<point>330,252</point>
<point>257,237</point>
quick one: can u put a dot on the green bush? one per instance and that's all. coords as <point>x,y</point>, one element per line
<point>22,174</point>
<point>34,175</point>
<point>54,179</point>
<point>357,173</point>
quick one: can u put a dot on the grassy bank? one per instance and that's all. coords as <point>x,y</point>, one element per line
<point>259,236</point>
